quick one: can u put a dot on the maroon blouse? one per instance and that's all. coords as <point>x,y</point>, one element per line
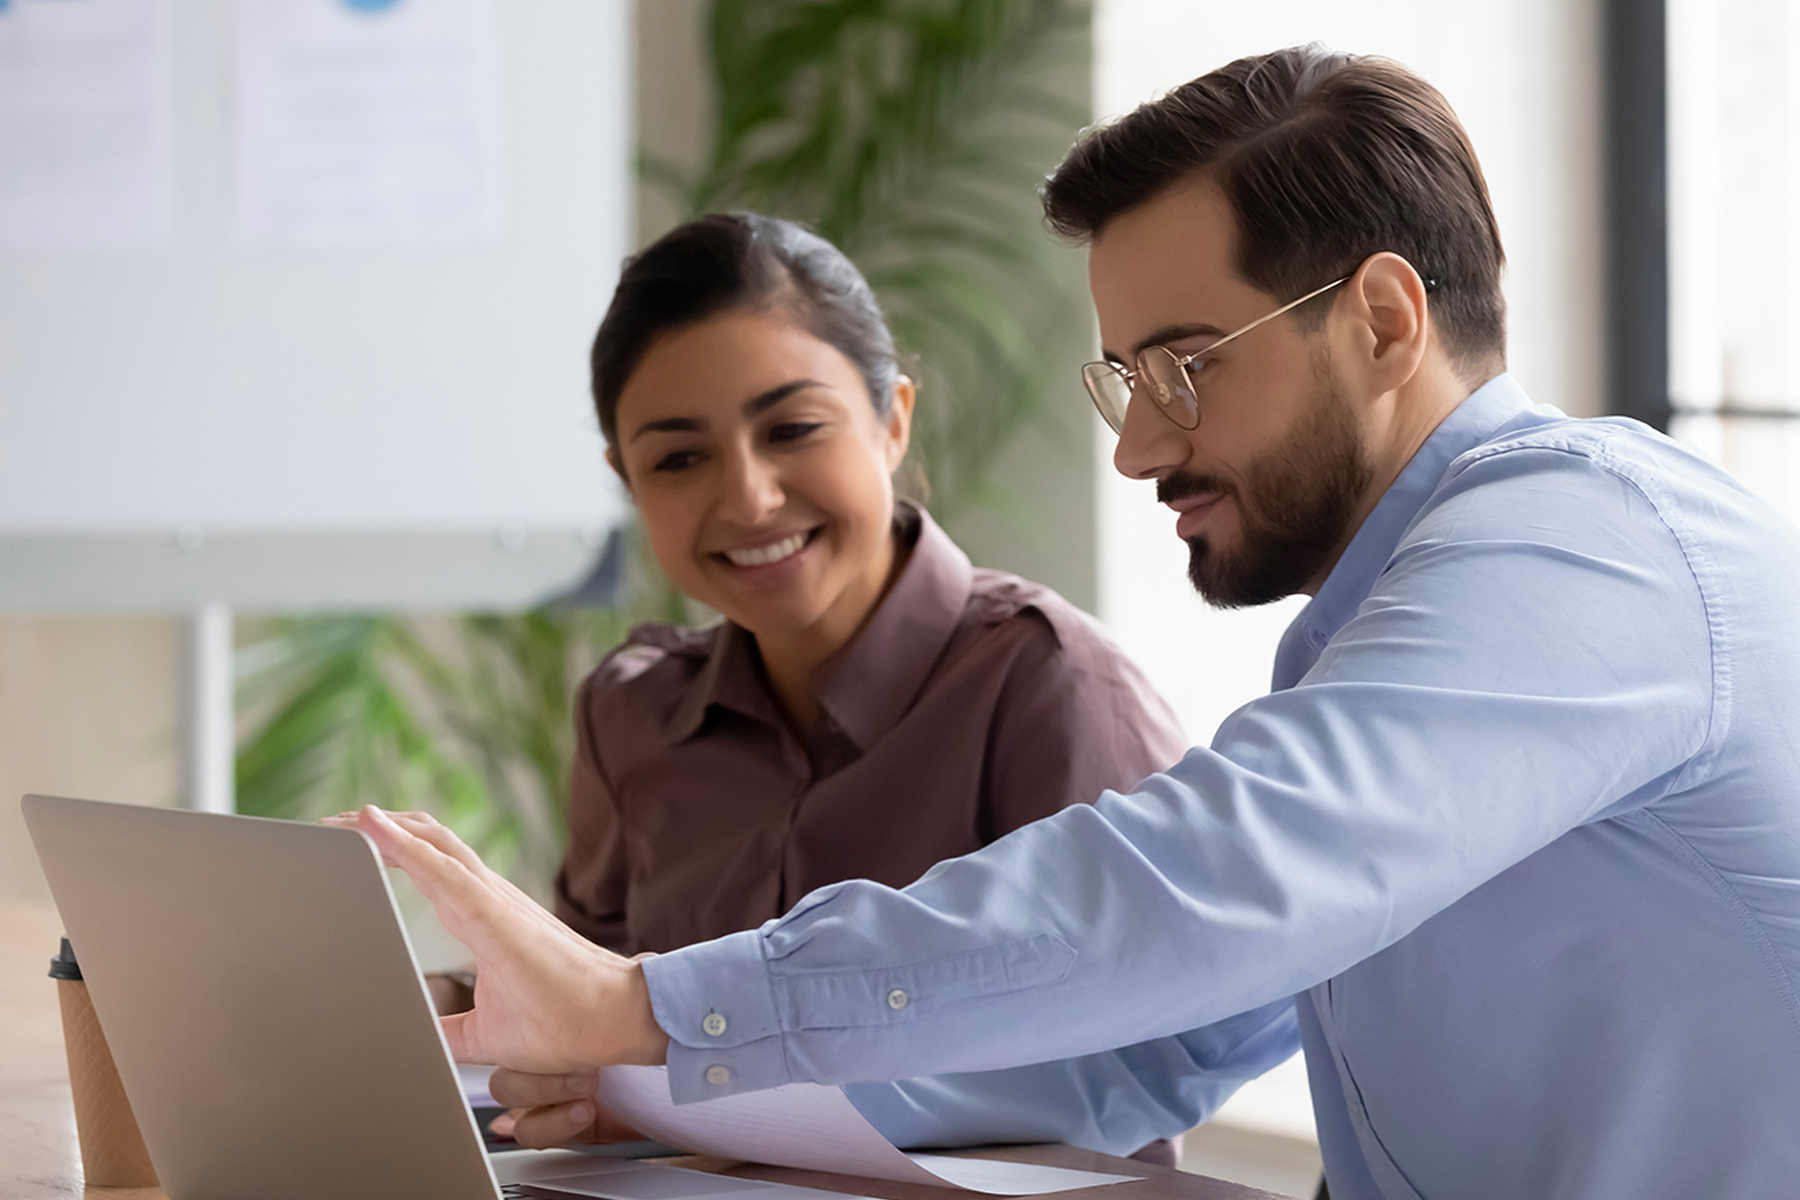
<point>972,702</point>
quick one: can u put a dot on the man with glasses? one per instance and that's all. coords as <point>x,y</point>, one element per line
<point>1514,845</point>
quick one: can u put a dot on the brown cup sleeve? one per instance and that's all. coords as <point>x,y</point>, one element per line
<point>112,1149</point>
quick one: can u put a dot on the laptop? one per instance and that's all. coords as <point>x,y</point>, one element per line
<point>270,1022</point>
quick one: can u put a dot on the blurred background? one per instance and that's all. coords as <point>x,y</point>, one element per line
<point>301,499</point>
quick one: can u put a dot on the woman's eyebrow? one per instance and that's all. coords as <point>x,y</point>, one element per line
<point>669,425</point>
<point>755,406</point>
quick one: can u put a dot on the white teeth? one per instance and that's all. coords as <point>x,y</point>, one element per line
<point>762,556</point>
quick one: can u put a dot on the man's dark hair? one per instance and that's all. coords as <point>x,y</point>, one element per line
<point>740,260</point>
<point>1325,160</point>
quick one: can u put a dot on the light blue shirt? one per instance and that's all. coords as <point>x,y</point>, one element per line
<point>1513,847</point>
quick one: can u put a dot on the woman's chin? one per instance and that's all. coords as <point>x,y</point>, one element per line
<point>769,605</point>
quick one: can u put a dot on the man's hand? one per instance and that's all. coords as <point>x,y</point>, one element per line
<point>547,1001</point>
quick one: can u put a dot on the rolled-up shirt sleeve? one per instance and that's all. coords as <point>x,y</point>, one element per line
<point>1445,733</point>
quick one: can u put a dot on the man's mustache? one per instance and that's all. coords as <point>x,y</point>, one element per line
<point>1182,484</point>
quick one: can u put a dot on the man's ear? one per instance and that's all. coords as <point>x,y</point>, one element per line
<point>612,460</point>
<point>899,421</point>
<point>1392,321</point>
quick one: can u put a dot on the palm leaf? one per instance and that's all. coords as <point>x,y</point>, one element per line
<point>349,710</point>
<point>912,133</point>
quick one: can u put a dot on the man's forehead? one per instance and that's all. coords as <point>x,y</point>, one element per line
<point>1168,261</point>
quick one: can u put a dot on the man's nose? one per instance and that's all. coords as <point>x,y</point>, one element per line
<point>752,488</point>
<point>1150,446</point>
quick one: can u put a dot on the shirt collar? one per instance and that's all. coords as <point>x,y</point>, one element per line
<point>1472,422</point>
<point>730,677</point>
<point>866,686</point>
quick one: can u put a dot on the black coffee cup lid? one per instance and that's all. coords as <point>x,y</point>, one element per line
<point>64,966</point>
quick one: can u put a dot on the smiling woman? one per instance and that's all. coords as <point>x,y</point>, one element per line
<point>871,703</point>
<point>762,474</point>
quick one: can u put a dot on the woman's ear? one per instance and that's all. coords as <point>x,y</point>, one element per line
<point>899,421</point>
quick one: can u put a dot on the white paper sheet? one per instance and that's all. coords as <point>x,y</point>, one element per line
<point>365,122</point>
<point>817,1128</point>
<point>85,160</point>
<point>1010,1178</point>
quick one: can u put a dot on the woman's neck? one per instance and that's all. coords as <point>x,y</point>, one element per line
<point>791,661</point>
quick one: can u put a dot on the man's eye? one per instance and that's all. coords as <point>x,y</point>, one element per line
<point>678,460</point>
<point>793,431</point>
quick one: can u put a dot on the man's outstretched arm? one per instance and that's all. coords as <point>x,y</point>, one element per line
<point>1446,733</point>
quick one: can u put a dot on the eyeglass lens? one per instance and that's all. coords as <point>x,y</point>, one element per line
<point>1110,391</point>
<point>1170,386</point>
<point>1168,381</point>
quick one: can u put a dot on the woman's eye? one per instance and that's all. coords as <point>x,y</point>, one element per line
<point>678,460</point>
<point>793,431</point>
<point>1197,367</point>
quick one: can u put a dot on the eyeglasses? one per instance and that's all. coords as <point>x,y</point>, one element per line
<point>1171,382</point>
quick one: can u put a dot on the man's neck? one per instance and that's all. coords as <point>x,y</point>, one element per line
<point>1399,424</point>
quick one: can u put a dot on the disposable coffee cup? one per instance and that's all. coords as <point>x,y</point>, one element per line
<point>112,1149</point>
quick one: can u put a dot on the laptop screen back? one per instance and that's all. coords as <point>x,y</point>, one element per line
<point>262,1003</point>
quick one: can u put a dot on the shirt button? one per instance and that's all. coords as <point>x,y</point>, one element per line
<point>714,1024</point>
<point>718,1075</point>
<point>898,999</point>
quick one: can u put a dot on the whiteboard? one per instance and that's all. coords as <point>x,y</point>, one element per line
<point>212,388</point>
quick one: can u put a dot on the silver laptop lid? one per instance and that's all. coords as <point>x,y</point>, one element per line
<point>262,1003</point>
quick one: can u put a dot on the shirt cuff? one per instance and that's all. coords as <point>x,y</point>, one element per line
<point>714,1001</point>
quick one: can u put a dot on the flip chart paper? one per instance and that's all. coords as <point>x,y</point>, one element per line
<point>85,159</point>
<point>813,1127</point>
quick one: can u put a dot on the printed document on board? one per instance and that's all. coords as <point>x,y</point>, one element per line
<point>85,158</point>
<point>366,122</point>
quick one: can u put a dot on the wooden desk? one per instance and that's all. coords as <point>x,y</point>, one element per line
<point>39,1159</point>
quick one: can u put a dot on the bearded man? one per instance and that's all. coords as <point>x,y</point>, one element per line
<point>1513,847</point>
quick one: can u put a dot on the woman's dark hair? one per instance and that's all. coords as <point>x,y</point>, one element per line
<point>740,260</point>
<point>1325,160</point>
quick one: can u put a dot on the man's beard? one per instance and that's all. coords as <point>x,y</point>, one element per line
<point>1293,512</point>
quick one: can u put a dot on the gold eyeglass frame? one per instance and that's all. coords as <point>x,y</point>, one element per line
<point>1162,390</point>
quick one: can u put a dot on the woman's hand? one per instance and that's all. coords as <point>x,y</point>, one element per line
<point>554,1110</point>
<point>547,1001</point>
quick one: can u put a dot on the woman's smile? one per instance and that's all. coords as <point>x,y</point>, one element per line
<point>762,555</point>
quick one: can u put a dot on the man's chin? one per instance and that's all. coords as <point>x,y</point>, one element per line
<point>1227,581</point>
<point>1209,574</point>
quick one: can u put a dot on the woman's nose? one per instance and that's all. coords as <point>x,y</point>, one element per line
<point>752,488</point>
<point>1150,445</point>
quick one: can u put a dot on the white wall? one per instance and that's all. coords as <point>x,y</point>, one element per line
<point>1734,234</point>
<point>1524,76</point>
